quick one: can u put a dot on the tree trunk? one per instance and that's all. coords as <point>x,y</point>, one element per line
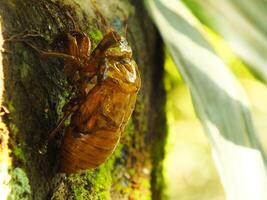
<point>35,90</point>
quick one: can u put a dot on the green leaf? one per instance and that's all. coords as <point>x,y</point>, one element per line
<point>219,101</point>
<point>242,23</point>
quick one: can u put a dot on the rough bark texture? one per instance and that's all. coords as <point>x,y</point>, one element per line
<point>35,91</point>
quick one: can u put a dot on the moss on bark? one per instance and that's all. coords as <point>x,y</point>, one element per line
<point>36,90</point>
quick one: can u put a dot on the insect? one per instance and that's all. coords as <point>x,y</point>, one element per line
<point>107,82</point>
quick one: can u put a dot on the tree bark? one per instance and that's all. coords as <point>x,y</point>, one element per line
<point>35,90</point>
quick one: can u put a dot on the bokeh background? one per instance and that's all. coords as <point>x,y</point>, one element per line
<point>189,169</point>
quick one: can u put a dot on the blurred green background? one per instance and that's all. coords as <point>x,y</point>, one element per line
<point>189,169</point>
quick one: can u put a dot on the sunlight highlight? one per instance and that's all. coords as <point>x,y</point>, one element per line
<point>241,168</point>
<point>5,160</point>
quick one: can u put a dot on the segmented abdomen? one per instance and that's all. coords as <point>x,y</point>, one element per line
<point>88,151</point>
<point>96,128</point>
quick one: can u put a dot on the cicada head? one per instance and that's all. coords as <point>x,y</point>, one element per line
<point>118,62</point>
<point>120,49</point>
<point>114,58</point>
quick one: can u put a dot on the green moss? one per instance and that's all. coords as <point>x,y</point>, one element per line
<point>143,190</point>
<point>60,193</point>
<point>20,187</point>
<point>78,183</point>
<point>158,152</point>
<point>63,99</point>
<point>128,132</point>
<point>92,185</point>
<point>25,54</point>
<point>10,107</point>
<point>128,179</point>
<point>24,70</point>
<point>18,147</point>
<point>139,120</point>
<point>19,154</point>
<point>13,129</point>
<point>95,36</point>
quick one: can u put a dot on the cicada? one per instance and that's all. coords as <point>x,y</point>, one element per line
<point>107,81</point>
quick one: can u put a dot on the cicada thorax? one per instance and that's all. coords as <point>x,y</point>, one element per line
<point>96,126</point>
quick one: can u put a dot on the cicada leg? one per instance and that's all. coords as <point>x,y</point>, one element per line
<point>68,109</point>
<point>73,54</point>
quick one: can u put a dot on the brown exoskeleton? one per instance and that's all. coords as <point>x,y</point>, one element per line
<point>107,81</point>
